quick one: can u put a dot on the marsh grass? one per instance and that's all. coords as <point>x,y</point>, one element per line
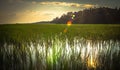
<point>59,54</point>
<point>47,47</point>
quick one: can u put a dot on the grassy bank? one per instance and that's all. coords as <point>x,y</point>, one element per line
<point>32,32</point>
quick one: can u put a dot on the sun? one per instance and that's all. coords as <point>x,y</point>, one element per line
<point>69,23</point>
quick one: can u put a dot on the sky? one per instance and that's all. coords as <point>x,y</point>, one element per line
<point>30,11</point>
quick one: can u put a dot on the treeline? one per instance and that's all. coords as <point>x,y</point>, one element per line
<point>102,15</point>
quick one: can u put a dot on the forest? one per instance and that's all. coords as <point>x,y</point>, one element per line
<point>101,15</point>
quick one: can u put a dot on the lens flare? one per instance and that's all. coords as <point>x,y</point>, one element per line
<point>65,30</point>
<point>91,63</point>
<point>73,16</point>
<point>69,23</point>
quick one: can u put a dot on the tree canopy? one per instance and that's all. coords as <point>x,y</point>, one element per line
<point>102,15</point>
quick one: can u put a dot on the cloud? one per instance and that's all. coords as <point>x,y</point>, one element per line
<point>33,16</point>
<point>34,2</point>
<point>13,1</point>
<point>20,11</point>
<point>88,6</point>
<point>60,4</point>
<point>68,4</point>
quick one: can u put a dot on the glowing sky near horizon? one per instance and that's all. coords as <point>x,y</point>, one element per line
<point>29,11</point>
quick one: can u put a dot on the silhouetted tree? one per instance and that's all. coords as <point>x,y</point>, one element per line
<point>99,15</point>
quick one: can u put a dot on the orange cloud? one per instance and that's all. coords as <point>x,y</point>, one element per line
<point>35,16</point>
<point>68,4</point>
<point>30,16</point>
<point>60,4</point>
<point>89,5</point>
